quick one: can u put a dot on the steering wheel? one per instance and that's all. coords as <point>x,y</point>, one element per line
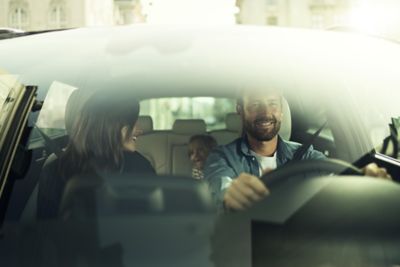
<point>309,166</point>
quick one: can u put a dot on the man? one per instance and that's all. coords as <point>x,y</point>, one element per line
<point>233,170</point>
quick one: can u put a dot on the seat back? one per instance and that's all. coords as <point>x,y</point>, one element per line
<point>286,125</point>
<point>145,124</point>
<point>178,140</point>
<point>168,150</point>
<point>153,146</point>
<point>231,132</point>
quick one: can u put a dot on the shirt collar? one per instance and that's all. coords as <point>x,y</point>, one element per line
<point>281,149</point>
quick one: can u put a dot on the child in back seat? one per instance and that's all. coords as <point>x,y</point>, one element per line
<point>200,147</point>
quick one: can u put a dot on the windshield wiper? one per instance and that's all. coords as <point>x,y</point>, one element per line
<point>14,34</point>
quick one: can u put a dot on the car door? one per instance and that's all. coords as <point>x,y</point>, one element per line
<point>16,101</point>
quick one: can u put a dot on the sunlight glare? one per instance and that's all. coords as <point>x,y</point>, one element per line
<point>198,12</point>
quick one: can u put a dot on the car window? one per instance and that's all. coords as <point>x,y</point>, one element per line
<point>315,116</point>
<point>164,111</point>
<point>53,111</point>
<point>51,119</point>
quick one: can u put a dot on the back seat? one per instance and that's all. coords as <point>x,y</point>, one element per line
<point>178,140</point>
<point>168,150</point>
<point>231,132</point>
<point>143,143</point>
<point>145,124</point>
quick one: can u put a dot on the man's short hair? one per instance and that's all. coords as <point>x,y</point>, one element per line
<point>240,93</point>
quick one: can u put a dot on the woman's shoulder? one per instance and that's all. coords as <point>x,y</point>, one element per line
<point>50,166</point>
<point>136,162</point>
<point>135,155</point>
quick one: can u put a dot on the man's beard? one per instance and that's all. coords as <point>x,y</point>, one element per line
<point>255,130</point>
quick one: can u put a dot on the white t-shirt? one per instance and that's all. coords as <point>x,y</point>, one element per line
<point>265,162</point>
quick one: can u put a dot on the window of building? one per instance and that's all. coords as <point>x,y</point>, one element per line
<point>338,20</point>
<point>317,21</point>
<point>272,2</point>
<point>164,111</point>
<point>272,20</point>
<point>18,17</point>
<point>127,12</point>
<point>57,15</point>
<point>318,2</point>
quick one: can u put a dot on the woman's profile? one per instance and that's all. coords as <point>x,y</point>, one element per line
<point>101,139</point>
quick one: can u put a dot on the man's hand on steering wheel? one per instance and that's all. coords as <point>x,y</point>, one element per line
<point>375,171</point>
<point>247,189</point>
<point>244,191</point>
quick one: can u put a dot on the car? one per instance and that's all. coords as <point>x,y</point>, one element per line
<point>342,97</point>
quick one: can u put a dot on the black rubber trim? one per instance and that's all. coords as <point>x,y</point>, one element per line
<point>11,140</point>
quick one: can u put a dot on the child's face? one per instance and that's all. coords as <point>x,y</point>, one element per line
<point>197,155</point>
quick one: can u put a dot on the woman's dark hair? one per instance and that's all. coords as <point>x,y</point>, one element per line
<point>96,139</point>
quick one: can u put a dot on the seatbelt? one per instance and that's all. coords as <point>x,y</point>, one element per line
<point>29,212</point>
<point>50,143</point>
<point>301,151</point>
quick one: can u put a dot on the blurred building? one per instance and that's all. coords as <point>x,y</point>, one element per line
<point>371,16</point>
<point>294,13</point>
<point>34,15</point>
<point>128,12</point>
<point>193,12</point>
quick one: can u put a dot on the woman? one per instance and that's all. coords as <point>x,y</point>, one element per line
<point>102,139</point>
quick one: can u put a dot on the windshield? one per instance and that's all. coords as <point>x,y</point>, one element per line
<point>154,188</point>
<point>166,134</point>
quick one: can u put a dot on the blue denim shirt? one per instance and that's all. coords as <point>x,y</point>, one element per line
<point>230,160</point>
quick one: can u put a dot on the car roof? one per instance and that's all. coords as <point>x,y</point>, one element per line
<point>161,61</point>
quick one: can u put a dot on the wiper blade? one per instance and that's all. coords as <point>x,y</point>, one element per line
<point>14,34</point>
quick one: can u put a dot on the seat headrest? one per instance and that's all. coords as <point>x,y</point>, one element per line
<point>74,105</point>
<point>189,127</point>
<point>70,110</point>
<point>234,122</point>
<point>286,126</point>
<point>145,124</point>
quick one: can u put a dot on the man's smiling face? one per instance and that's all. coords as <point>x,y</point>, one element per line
<point>261,114</point>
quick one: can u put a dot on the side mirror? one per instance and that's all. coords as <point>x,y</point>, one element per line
<point>392,141</point>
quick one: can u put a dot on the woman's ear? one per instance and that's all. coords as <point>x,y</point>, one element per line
<point>124,132</point>
<point>128,141</point>
<point>239,109</point>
